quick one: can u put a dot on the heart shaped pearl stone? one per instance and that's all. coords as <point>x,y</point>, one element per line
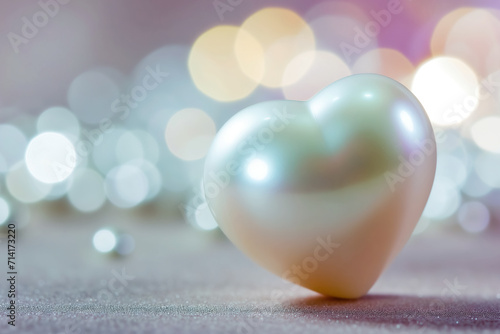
<point>324,193</point>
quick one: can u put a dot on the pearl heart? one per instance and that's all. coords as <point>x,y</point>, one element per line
<point>326,192</point>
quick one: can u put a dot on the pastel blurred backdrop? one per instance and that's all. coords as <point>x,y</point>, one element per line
<point>108,108</point>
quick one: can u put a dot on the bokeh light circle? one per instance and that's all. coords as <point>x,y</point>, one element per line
<point>128,148</point>
<point>12,146</point>
<point>443,28</point>
<point>189,134</point>
<point>474,39</point>
<point>444,200</point>
<point>337,27</point>
<point>86,193</point>
<point>486,134</point>
<point>452,168</point>
<point>4,211</point>
<point>326,68</point>
<point>149,145</point>
<point>60,120</point>
<point>104,240</point>
<point>125,245</point>
<point>50,157</point>
<point>204,218</point>
<point>474,186</point>
<point>24,187</point>
<point>446,87</point>
<point>59,190</point>
<point>388,62</point>
<point>92,95</point>
<point>487,167</point>
<point>474,217</point>
<point>214,68</point>
<point>152,174</point>
<point>104,151</point>
<point>126,186</point>
<point>282,35</point>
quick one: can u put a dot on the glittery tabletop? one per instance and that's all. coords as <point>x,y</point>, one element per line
<point>183,281</point>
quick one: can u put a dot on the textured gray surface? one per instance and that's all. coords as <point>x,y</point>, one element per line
<point>190,282</point>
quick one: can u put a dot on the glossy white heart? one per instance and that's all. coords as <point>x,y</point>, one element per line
<point>324,193</point>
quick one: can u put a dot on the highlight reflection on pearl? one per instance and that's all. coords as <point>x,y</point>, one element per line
<point>355,164</point>
<point>257,169</point>
<point>406,119</point>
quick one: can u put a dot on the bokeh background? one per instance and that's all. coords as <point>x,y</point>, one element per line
<point>108,108</point>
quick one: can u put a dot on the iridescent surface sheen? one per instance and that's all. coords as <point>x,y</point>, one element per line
<point>326,192</point>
